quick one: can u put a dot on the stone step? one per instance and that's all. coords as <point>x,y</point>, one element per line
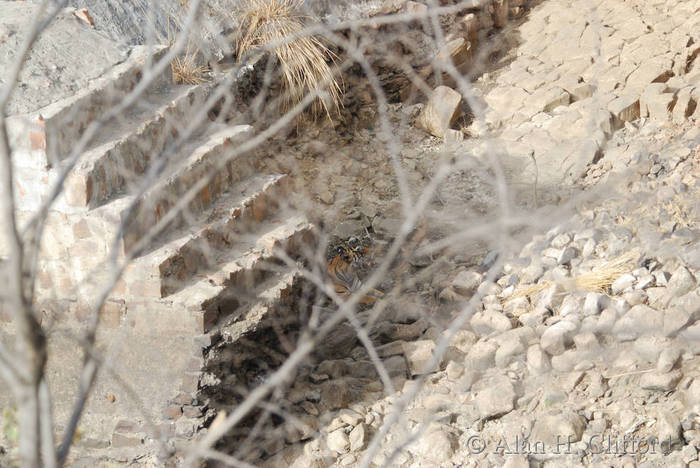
<point>243,274</point>
<point>271,302</point>
<point>48,134</point>
<point>180,254</point>
<point>41,140</point>
<point>185,172</point>
<point>85,239</point>
<point>206,301</point>
<point>131,143</point>
<point>252,310</point>
<point>252,317</point>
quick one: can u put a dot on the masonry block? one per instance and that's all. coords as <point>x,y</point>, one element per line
<point>112,313</point>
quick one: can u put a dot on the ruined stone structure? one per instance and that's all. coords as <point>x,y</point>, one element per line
<point>206,281</point>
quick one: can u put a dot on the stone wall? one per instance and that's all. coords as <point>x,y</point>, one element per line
<point>159,319</point>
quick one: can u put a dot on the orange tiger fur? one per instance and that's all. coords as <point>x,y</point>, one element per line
<point>343,271</point>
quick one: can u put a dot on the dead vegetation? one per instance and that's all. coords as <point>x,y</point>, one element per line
<point>600,279</point>
<point>304,60</point>
<point>597,280</point>
<point>187,70</point>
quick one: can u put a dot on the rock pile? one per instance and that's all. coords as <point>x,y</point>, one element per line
<point>588,335</point>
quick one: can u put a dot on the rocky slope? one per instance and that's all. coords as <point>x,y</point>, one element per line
<point>582,349</point>
<point>588,334</point>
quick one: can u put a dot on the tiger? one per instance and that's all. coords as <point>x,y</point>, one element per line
<point>344,269</point>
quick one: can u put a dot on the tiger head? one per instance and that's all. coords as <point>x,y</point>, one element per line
<point>353,252</point>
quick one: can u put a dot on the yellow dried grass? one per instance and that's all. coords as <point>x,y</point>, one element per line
<point>597,280</point>
<point>600,279</point>
<point>186,69</point>
<point>303,60</point>
<point>529,291</point>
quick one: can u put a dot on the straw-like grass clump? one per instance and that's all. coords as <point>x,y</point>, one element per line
<point>599,279</point>
<point>303,59</point>
<point>187,70</point>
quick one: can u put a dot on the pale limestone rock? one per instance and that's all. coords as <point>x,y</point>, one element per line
<point>496,400</point>
<point>481,355</point>
<point>554,428</point>
<point>594,303</point>
<point>505,100</point>
<point>567,361</point>
<point>587,341</point>
<point>338,441</point>
<point>557,337</point>
<point>437,446</point>
<point>623,282</point>
<point>516,461</point>
<point>682,281</point>
<point>454,371</point>
<point>358,438</point>
<point>660,105</point>
<point>651,91</point>
<point>662,382</point>
<point>676,319</point>
<point>552,297</point>
<point>350,417</point>
<point>624,109</point>
<point>440,112</point>
<point>631,29</point>
<point>692,393</point>
<point>640,319</point>
<point>654,70</point>
<point>644,47</point>
<point>488,321</point>
<point>547,99</point>
<point>418,353</point>
<point>561,241</point>
<point>668,427</point>
<point>457,52</point>
<point>537,360</point>
<point>668,359</point>
<point>452,135</point>
<point>508,352</point>
<point>463,340</point>
<point>416,8</point>
<point>448,294</point>
<point>685,105</point>
<point>567,254</point>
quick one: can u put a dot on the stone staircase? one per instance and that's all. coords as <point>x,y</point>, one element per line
<point>210,277</point>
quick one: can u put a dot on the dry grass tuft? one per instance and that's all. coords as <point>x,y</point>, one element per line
<point>529,291</point>
<point>600,279</point>
<point>303,60</point>
<point>597,280</point>
<point>186,69</point>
